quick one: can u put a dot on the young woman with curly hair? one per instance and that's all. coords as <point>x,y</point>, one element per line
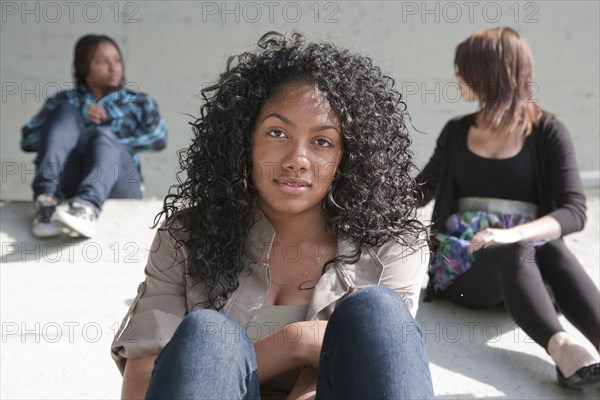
<point>507,189</point>
<point>290,262</point>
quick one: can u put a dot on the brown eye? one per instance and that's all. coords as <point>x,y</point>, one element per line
<point>323,142</point>
<point>277,133</point>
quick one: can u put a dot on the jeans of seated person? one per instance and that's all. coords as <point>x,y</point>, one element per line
<point>372,349</point>
<point>83,164</point>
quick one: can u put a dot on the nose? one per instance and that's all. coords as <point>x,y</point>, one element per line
<point>113,65</point>
<point>296,159</point>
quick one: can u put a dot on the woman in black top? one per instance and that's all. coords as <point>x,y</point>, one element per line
<point>507,189</point>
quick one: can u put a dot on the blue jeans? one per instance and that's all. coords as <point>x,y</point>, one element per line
<point>372,349</point>
<point>83,164</point>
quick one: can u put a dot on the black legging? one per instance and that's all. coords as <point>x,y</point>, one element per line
<point>516,274</point>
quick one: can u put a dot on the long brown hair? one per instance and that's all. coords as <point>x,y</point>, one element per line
<point>497,65</point>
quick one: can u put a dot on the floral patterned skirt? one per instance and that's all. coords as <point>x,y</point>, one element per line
<point>452,258</point>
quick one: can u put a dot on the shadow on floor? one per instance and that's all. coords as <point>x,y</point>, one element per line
<point>19,245</point>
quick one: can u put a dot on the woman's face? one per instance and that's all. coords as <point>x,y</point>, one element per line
<point>466,93</point>
<point>106,68</point>
<point>296,150</point>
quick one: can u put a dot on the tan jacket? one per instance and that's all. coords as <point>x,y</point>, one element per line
<point>168,294</point>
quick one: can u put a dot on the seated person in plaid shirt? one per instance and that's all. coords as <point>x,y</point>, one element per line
<point>86,141</point>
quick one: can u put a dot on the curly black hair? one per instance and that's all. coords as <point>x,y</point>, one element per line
<point>372,199</point>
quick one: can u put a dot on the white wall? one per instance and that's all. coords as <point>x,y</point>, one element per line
<point>173,48</point>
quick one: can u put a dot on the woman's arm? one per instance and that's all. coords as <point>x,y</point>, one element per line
<point>428,177</point>
<point>295,345</point>
<point>137,377</point>
<point>546,227</point>
<point>563,177</point>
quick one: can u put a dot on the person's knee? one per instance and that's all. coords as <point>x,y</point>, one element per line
<point>66,108</point>
<point>372,305</point>
<point>372,297</point>
<point>66,113</point>
<point>105,135</point>
<point>369,316</point>
<point>552,249</point>
<point>202,322</point>
<point>500,254</point>
<point>213,328</point>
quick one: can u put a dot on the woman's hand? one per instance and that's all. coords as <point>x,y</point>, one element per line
<point>96,114</point>
<point>546,228</point>
<point>490,236</point>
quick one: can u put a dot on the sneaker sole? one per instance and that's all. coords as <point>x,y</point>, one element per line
<point>72,223</point>
<point>46,232</point>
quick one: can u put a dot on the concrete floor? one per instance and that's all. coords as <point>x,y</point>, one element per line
<point>62,300</point>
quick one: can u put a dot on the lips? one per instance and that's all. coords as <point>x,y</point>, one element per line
<point>292,181</point>
<point>292,185</point>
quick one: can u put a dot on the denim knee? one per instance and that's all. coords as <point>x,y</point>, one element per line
<point>66,108</point>
<point>373,297</point>
<point>212,328</point>
<point>204,360</point>
<point>373,349</point>
<point>62,130</point>
<point>202,316</point>
<point>106,135</point>
<point>375,305</point>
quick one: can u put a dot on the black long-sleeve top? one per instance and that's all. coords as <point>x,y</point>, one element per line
<point>559,188</point>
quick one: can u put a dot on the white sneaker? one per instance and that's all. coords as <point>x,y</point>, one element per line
<point>43,226</point>
<point>80,217</point>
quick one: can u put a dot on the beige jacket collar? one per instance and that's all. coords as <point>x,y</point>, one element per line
<point>337,281</point>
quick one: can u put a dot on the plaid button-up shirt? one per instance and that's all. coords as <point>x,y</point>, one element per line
<point>132,116</point>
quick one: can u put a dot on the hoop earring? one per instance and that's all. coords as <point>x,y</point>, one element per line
<point>245,180</point>
<point>330,199</point>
